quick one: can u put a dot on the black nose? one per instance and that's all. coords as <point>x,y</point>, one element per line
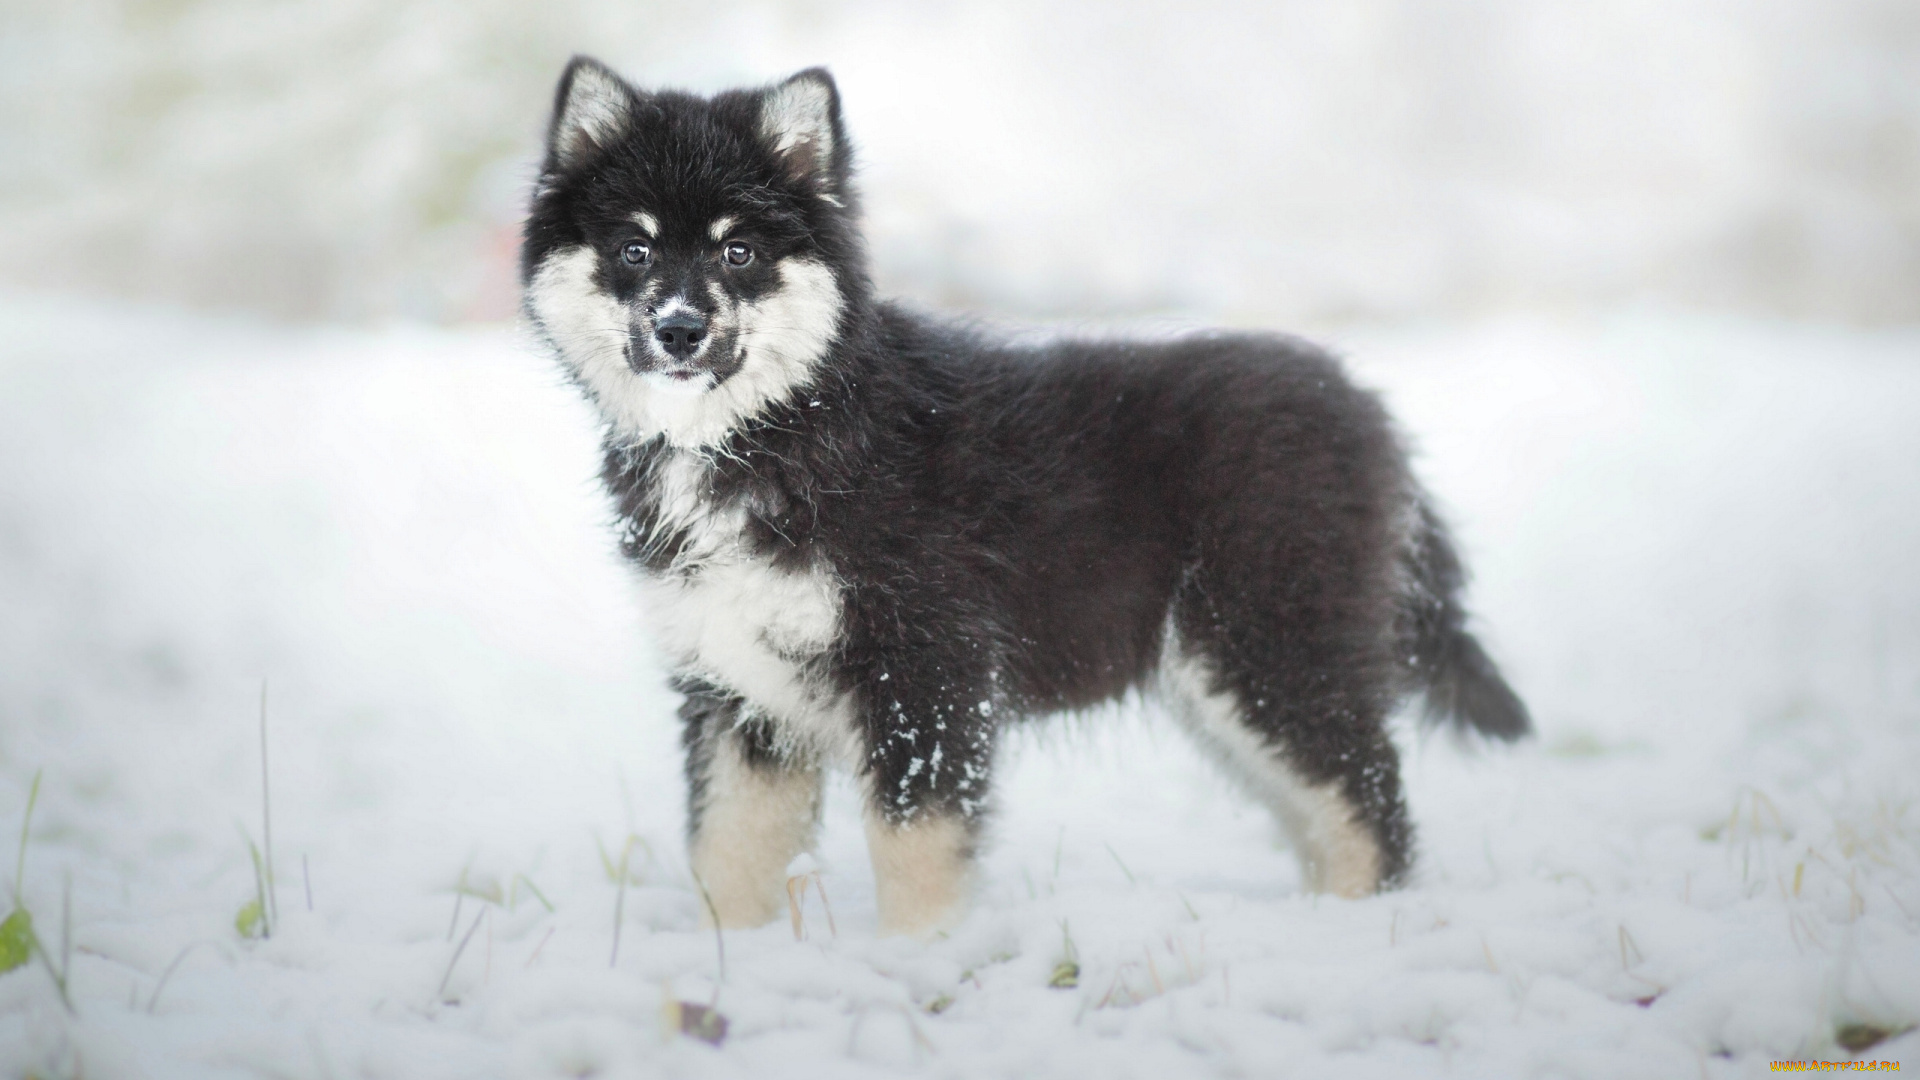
<point>681,333</point>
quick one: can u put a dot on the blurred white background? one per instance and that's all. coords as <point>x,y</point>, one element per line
<point>1295,163</point>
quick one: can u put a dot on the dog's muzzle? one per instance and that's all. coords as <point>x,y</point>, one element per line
<point>681,334</point>
<point>677,345</point>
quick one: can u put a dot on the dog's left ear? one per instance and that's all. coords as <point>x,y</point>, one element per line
<point>800,120</point>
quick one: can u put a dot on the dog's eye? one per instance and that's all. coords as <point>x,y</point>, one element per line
<point>636,253</point>
<point>737,253</point>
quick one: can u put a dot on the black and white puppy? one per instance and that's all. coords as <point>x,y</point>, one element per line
<point>869,538</point>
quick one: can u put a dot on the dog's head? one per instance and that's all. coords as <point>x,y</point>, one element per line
<point>691,259</point>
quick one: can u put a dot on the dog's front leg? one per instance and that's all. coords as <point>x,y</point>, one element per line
<point>752,805</point>
<point>922,870</point>
<point>928,759</point>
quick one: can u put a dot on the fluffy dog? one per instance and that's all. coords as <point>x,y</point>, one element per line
<point>870,538</point>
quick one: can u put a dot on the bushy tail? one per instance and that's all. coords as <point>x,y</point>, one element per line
<point>1460,682</point>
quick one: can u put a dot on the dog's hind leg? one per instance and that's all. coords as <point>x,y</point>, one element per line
<point>752,805</point>
<point>1331,780</point>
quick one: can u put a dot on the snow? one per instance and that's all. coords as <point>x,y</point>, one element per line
<point>1694,541</point>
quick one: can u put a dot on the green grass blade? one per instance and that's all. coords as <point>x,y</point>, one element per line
<point>20,864</point>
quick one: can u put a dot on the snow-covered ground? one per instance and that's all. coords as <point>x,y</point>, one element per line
<point>1695,550</point>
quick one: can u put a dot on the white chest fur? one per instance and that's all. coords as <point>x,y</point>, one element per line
<point>730,616</point>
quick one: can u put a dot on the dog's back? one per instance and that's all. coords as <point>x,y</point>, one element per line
<point>1084,486</point>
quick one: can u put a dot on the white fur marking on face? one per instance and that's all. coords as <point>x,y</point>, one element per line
<point>753,821</point>
<point>597,110</point>
<point>662,385</point>
<point>799,111</point>
<point>721,226</point>
<point>922,872</point>
<point>784,336</point>
<point>589,329</point>
<point>1337,853</point>
<point>648,223</point>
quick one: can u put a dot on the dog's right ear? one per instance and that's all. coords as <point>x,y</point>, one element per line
<point>591,109</point>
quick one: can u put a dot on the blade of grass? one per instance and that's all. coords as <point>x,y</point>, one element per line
<point>459,894</point>
<point>59,974</point>
<point>457,950</point>
<point>260,890</point>
<point>796,893</point>
<point>66,928</point>
<point>606,861</point>
<point>620,903</point>
<point>719,940</point>
<point>522,879</point>
<point>154,998</point>
<point>59,981</point>
<point>821,884</point>
<point>543,944</point>
<point>272,905</point>
<point>20,863</point>
<point>254,912</point>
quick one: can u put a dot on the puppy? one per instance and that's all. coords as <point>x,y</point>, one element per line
<point>869,538</point>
